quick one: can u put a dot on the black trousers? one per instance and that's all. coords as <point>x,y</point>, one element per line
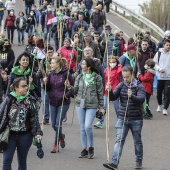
<point>163,86</point>
<point>10,32</point>
<point>107,7</point>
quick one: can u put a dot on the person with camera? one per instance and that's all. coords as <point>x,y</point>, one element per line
<point>132,95</point>
<point>88,89</point>
<point>20,113</point>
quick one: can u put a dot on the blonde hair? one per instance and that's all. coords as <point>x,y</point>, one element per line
<point>60,60</point>
<point>113,57</point>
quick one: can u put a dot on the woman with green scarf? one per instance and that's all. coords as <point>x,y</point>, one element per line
<point>23,68</point>
<point>20,112</point>
<point>88,89</point>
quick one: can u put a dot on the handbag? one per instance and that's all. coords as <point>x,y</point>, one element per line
<point>4,138</point>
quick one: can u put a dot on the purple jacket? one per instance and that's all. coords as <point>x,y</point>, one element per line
<point>55,87</point>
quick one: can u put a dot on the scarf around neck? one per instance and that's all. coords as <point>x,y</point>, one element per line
<point>19,98</point>
<point>131,60</point>
<point>89,80</point>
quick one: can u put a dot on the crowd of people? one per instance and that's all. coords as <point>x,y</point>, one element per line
<point>88,63</point>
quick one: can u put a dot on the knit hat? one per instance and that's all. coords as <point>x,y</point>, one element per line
<point>131,47</point>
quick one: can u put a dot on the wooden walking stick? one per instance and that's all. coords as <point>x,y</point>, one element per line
<point>108,106</point>
<point>45,88</point>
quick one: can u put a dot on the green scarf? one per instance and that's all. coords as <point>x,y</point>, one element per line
<point>19,98</point>
<point>132,60</point>
<point>16,70</point>
<point>89,79</point>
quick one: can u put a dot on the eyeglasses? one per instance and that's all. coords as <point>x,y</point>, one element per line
<point>24,86</point>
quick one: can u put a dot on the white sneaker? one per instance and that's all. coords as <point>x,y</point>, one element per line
<point>159,108</point>
<point>165,113</point>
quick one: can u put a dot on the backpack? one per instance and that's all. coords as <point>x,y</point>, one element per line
<point>159,54</point>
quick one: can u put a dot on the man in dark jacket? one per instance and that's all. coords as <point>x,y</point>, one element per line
<point>88,4</point>
<point>84,11</point>
<point>88,43</point>
<point>28,5</point>
<point>97,20</point>
<point>152,45</point>
<point>132,95</point>
<point>144,55</point>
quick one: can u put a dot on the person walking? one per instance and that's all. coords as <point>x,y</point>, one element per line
<point>59,105</point>
<point>20,26</point>
<point>10,25</point>
<point>88,89</point>
<point>132,95</point>
<point>162,59</point>
<point>21,113</point>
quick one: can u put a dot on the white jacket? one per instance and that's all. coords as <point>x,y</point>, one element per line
<point>163,63</point>
<point>10,4</point>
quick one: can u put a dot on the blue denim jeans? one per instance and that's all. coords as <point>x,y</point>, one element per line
<point>23,143</point>
<point>46,31</point>
<point>89,11</point>
<point>1,18</point>
<point>116,106</point>
<point>27,9</point>
<point>20,35</point>
<point>98,29</point>
<point>31,30</point>
<point>55,117</point>
<point>136,127</point>
<point>46,108</point>
<point>86,118</point>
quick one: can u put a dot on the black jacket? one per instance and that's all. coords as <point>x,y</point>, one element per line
<point>135,104</point>
<point>18,22</point>
<point>34,119</point>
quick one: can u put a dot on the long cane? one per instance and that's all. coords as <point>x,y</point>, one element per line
<point>108,108</point>
<point>45,88</point>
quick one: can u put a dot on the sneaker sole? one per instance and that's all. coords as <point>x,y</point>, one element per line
<point>109,167</point>
<point>83,156</point>
<point>98,127</point>
<point>91,157</point>
<point>138,167</point>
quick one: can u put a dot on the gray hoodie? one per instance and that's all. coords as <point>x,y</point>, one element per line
<point>163,63</point>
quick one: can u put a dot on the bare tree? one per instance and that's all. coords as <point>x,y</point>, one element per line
<point>156,11</point>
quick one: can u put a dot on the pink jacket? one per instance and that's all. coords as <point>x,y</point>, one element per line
<point>67,52</point>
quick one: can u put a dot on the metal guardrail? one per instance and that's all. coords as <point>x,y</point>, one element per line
<point>144,21</point>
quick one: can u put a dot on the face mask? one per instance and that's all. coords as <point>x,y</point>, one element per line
<point>112,65</point>
<point>146,66</point>
<point>11,13</point>
<point>7,46</point>
<point>49,9</point>
<point>31,14</point>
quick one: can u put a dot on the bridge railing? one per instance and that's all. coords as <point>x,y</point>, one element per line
<point>138,19</point>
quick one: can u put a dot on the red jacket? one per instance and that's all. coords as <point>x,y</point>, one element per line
<point>115,75</point>
<point>147,81</point>
<point>10,21</point>
<point>66,53</point>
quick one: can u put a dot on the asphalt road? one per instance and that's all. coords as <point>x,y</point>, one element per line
<point>155,135</point>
